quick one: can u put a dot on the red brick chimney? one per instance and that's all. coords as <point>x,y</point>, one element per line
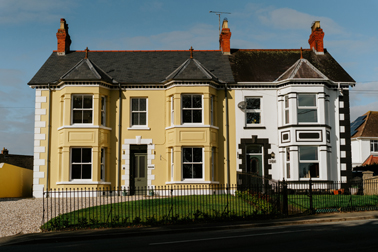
<point>316,38</point>
<point>224,38</point>
<point>4,151</point>
<point>64,40</point>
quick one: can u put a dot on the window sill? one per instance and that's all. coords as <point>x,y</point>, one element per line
<point>139,128</point>
<point>254,127</point>
<point>84,182</point>
<point>191,182</point>
<point>84,126</point>
<point>192,126</point>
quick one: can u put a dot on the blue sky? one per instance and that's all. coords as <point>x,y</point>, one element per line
<point>28,36</point>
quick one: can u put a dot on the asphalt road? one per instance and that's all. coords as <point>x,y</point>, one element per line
<point>343,236</point>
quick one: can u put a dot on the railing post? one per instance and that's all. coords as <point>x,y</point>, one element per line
<point>285,205</point>
<point>310,195</point>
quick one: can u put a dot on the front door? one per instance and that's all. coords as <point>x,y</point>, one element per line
<point>139,166</point>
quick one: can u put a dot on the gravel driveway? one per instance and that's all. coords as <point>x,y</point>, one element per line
<point>20,216</point>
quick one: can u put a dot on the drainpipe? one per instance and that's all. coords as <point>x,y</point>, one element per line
<point>119,137</point>
<point>227,137</point>
<point>48,142</point>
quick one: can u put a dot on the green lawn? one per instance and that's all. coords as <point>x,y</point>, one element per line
<point>163,209</point>
<point>302,202</point>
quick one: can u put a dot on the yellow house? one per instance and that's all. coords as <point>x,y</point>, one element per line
<point>16,175</point>
<point>130,118</point>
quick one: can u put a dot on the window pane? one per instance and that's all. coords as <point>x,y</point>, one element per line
<point>287,170</point>
<point>187,154</point>
<point>253,103</point>
<point>197,101</point>
<point>77,102</point>
<point>253,118</point>
<point>87,116</point>
<point>286,101</point>
<point>87,102</point>
<point>197,154</point>
<point>86,155</point>
<point>307,100</point>
<point>134,119</point>
<point>287,120</point>
<point>134,105</point>
<point>307,115</point>
<point>76,155</point>
<point>77,116</point>
<point>76,172</point>
<point>142,118</point>
<point>142,104</point>
<point>86,172</point>
<point>102,118</point>
<point>307,170</point>
<point>253,149</point>
<point>187,116</point>
<point>308,153</point>
<point>187,171</point>
<point>102,103</point>
<point>197,116</point>
<point>186,101</point>
<point>197,171</point>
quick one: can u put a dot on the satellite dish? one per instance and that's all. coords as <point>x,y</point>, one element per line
<point>242,105</point>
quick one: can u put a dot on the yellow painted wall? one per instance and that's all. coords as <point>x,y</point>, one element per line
<point>165,136</point>
<point>15,182</point>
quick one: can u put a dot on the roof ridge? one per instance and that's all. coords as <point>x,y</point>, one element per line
<point>142,50</point>
<point>309,50</point>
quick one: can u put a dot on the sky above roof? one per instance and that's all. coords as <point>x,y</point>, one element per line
<point>28,36</point>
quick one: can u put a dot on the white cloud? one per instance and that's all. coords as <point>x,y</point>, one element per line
<point>286,18</point>
<point>20,11</point>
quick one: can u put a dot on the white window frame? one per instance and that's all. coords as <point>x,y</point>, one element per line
<point>192,163</point>
<point>254,111</point>
<point>288,170</point>
<point>308,161</point>
<point>143,126</point>
<point>373,144</point>
<point>103,111</point>
<point>81,163</point>
<point>213,151</point>
<point>182,110</point>
<point>103,164</point>
<point>172,164</point>
<point>308,107</point>
<point>81,109</point>
<point>286,107</point>
<point>172,110</point>
<point>212,110</point>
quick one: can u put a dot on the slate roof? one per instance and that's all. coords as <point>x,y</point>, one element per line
<point>133,67</point>
<point>22,161</point>
<point>191,69</point>
<point>369,127</point>
<point>302,69</point>
<point>269,65</point>
<point>86,70</point>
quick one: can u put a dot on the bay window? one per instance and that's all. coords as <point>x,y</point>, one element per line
<point>192,163</point>
<point>82,109</point>
<point>191,108</point>
<point>308,162</point>
<point>307,109</point>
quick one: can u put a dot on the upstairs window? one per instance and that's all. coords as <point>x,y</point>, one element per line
<point>191,108</point>
<point>82,109</point>
<point>307,110</point>
<point>253,110</point>
<point>287,111</point>
<point>139,112</point>
<point>103,111</point>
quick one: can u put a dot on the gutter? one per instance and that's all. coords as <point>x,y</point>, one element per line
<point>227,137</point>
<point>48,143</point>
<point>118,184</point>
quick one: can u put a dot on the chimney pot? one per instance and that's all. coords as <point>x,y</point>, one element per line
<point>316,38</point>
<point>224,38</point>
<point>4,151</point>
<point>64,40</point>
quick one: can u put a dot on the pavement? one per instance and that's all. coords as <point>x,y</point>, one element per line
<point>91,234</point>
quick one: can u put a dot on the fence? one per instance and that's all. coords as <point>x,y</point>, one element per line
<point>77,208</point>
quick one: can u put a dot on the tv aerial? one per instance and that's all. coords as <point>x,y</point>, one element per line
<point>219,13</point>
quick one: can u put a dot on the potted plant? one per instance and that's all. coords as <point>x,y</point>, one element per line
<point>151,192</point>
<point>124,192</point>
